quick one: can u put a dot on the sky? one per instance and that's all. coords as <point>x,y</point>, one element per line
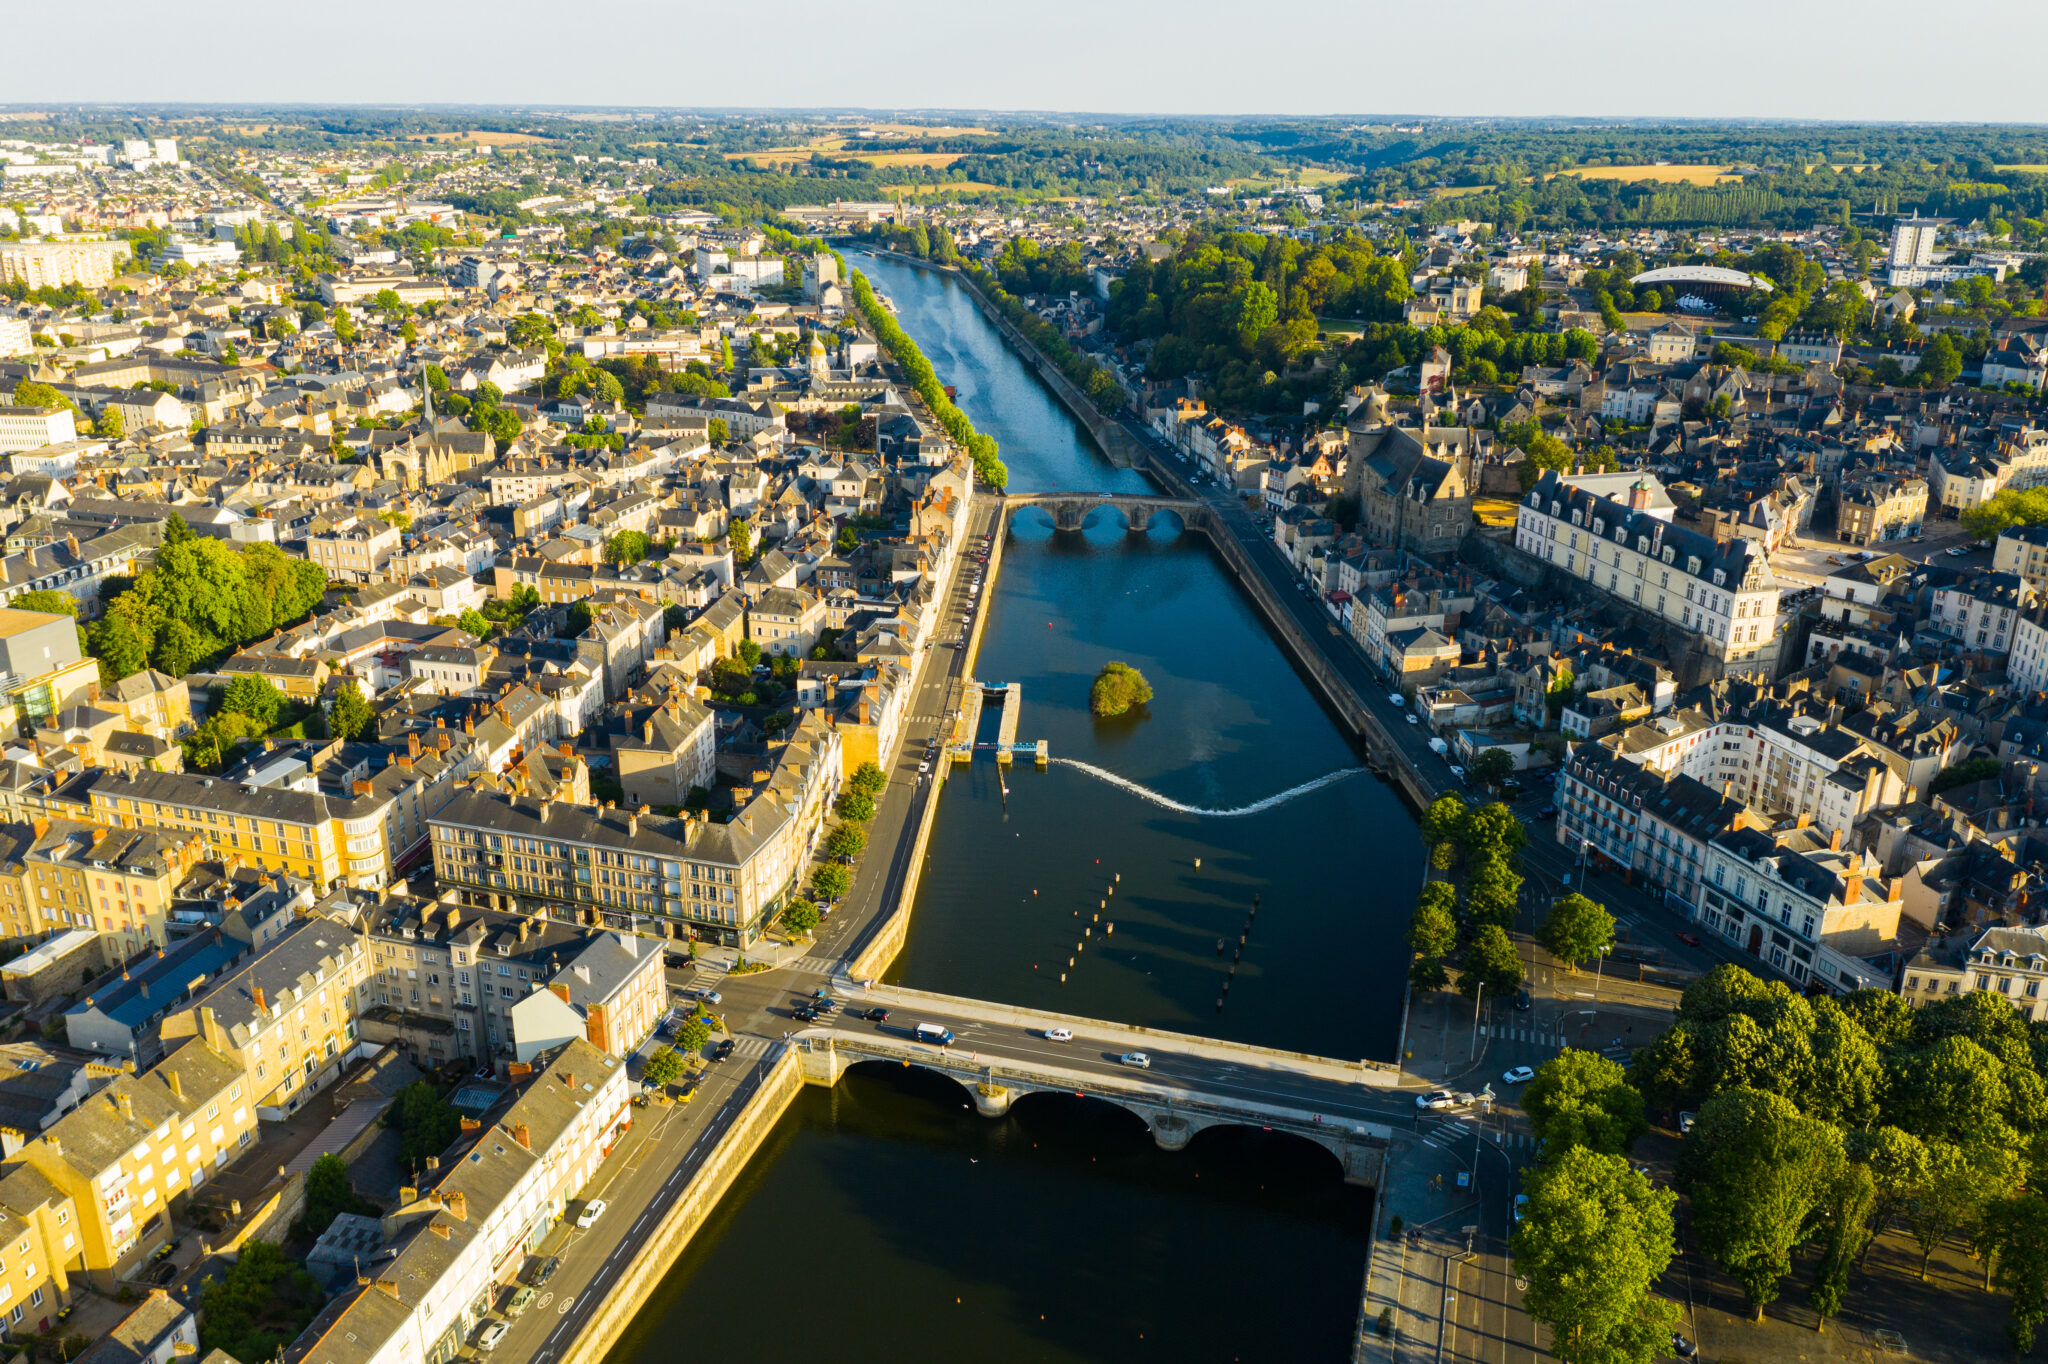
<point>1858,60</point>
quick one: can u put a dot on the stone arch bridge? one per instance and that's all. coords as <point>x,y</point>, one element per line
<point>1070,510</point>
<point>1174,1108</point>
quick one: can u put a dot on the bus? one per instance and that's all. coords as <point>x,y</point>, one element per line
<point>934,1034</point>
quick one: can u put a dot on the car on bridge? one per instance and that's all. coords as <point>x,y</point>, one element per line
<point>1137,1059</point>
<point>1058,1034</point>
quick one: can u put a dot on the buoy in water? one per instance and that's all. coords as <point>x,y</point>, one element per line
<point>1119,878</point>
<point>1109,927</point>
<point>1063,981</point>
<point>1220,945</point>
<point>1098,916</point>
<point>1087,933</point>
<point>1198,864</point>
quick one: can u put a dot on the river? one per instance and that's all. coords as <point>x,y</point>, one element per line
<point>885,1220</point>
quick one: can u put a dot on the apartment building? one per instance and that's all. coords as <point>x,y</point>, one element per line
<point>40,264</point>
<point>1653,825</point>
<point>2023,551</point>
<point>673,749</point>
<point>354,549</point>
<point>118,883</point>
<point>1722,592</point>
<point>39,1249</point>
<point>1880,508</point>
<point>1980,611</point>
<point>286,1014</point>
<point>1803,906</point>
<point>31,428</point>
<point>611,995</point>
<point>2010,962</point>
<point>303,834</point>
<point>451,1247</point>
<point>132,1152</point>
<point>444,977</point>
<point>692,877</point>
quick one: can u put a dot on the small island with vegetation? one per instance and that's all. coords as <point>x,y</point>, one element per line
<point>1118,689</point>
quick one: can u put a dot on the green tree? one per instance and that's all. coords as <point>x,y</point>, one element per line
<point>1755,1170</point>
<point>800,916</point>
<point>717,432</point>
<point>1940,363</point>
<point>695,1032</point>
<point>1433,928</point>
<point>854,806</point>
<point>739,536</point>
<point>1443,820</point>
<point>868,779</point>
<point>352,717</point>
<point>1580,1098</point>
<point>845,843</point>
<point>2019,1225</point>
<point>258,1305</point>
<point>627,547</point>
<point>664,1067</point>
<point>1594,1239</point>
<point>254,697</point>
<point>33,393</point>
<point>1957,1184</point>
<point>43,599</point>
<point>1847,1213</point>
<point>1491,767</point>
<point>473,622</point>
<point>1490,965</point>
<point>830,882</point>
<point>328,1195</point>
<point>1576,930</point>
<point>425,1121</point>
<point>1492,831</point>
<point>111,424</point>
<point>1118,689</point>
<point>1493,891</point>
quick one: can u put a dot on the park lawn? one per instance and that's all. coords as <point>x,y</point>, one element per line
<point>1666,175</point>
<point>934,160</point>
<point>1340,326</point>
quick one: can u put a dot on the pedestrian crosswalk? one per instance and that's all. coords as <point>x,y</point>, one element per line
<point>821,965</point>
<point>748,1048</point>
<point>1509,1032</point>
<point>1459,1130</point>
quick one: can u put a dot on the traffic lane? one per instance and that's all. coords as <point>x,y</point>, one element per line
<point>1205,1075</point>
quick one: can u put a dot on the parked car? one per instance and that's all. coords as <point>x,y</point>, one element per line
<point>546,1271</point>
<point>1549,811</point>
<point>1691,939</point>
<point>592,1210</point>
<point>1395,698</point>
<point>1685,1122</point>
<point>1521,1206</point>
<point>1958,552</point>
<point>521,1299</point>
<point>1457,772</point>
<point>1413,719</point>
<point>487,1339</point>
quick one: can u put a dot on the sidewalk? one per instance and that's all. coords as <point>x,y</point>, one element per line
<point>1410,1272</point>
<point>1441,1039</point>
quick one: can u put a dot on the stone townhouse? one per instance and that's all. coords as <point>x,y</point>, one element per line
<point>1803,906</point>
<point>1721,593</point>
<point>1980,611</point>
<point>611,994</point>
<point>2008,961</point>
<point>286,1014</point>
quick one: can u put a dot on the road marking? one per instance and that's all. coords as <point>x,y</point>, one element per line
<point>567,1303</point>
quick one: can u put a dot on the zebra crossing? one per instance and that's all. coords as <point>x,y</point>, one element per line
<point>1458,1130</point>
<point>749,1048</point>
<point>1509,1032</point>
<point>824,966</point>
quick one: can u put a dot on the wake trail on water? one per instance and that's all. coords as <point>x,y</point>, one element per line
<point>1169,803</point>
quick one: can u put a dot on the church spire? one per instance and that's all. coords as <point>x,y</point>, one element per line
<point>426,402</point>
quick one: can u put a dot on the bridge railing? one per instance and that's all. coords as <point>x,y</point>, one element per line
<point>1120,1088</point>
<point>1375,1074</point>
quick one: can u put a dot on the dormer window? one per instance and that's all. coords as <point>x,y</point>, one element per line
<point>1720,577</point>
<point>1575,518</point>
<point>1670,554</point>
<point>1692,564</point>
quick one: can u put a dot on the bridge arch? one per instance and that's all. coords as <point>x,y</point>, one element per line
<point>883,1063</point>
<point>1253,1138</point>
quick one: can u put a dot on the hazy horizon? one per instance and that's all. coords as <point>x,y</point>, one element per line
<point>1827,61</point>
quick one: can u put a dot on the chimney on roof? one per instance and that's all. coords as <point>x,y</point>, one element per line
<point>177,1085</point>
<point>440,1228</point>
<point>1851,884</point>
<point>468,725</point>
<point>522,1135</point>
<point>1835,841</point>
<point>444,739</point>
<point>262,1004</point>
<point>361,786</point>
<point>560,992</point>
<point>412,745</point>
<point>125,1103</point>
<point>568,1079</point>
<point>457,1204</point>
<point>522,930</point>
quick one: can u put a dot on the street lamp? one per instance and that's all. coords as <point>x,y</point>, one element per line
<point>1599,963</point>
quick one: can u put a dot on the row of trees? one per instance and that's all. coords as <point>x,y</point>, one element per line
<point>1081,370</point>
<point>988,467</point>
<point>1485,844</point>
<point>200,600</point>
<point>844,845</point>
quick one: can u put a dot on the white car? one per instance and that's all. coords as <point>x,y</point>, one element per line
<point>1412,719</point>
<point>1136,1058</point>
<point>1457,772</point>
<point>1058,1034</point>
<point>1437,1098</point>
<point>1520,1075</point>
<point>1395,698</point>
<point>592,1210</point>
<point>489,1337</point>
